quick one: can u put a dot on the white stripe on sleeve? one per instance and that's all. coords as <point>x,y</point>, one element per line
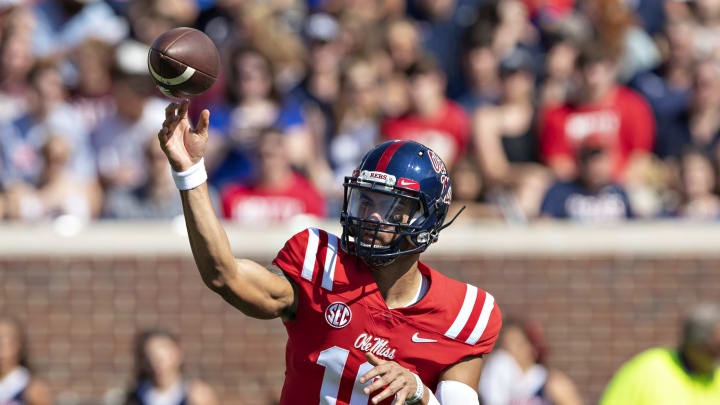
<point>330,260</point>
<point>464,314</point>
<point>482,320</point>
<point>311,254</point>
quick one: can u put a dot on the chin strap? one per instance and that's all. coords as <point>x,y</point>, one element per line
<point>452,220</point>
<point>379,261</point>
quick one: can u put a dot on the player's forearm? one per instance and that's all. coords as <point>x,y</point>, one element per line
<point>208,241</point>
<point>244,284</point>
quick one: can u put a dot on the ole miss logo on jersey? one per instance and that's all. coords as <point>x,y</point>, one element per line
<point>338,315</point>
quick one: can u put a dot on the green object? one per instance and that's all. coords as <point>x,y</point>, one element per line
<point>657,377</point>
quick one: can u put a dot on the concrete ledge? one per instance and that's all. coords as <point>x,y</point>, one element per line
<point>657,239</point>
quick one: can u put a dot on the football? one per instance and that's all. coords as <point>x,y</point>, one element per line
<point>183,62</point>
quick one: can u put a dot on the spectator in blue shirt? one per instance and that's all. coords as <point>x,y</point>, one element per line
<point>667,88</point>
<point>592,197</point>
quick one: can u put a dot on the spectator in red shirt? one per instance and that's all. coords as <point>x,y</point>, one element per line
<point>602,109</point>
<point>277,193</point>
<point>433,119</point>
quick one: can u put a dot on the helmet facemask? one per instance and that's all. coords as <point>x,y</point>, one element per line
<point>382,222</point>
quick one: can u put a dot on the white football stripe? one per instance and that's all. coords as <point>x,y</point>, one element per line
<point>330,260</point>
<point>174,81</point>
<point>483,320</point>
<point>464,314</point>
<point>310,254</point>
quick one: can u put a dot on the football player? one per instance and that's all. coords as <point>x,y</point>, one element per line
<point>366,320</point>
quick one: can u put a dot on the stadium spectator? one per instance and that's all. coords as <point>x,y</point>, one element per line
<point>514,30</point>
<point>319,90</point>
<point>687,374</point>
<point>481,69</point>
<point>48,114</point>
<point>615,26</point>
<point>276,193</point>
<point>256,104</point>
<point>271,28</point>
<point>649,14</point>
<point>707,15</point>
<point>469,191</point>
<point>601,108</point>
<point>65,24</point>
<point>159,375</point>
<point>560,59</point>
<point>318,93</point>
<point>58,191</point>
<point>698,123</point>
<point>592,197</point>
<point>667,88</point>
<point>505,142</point>
<point>441,26</point>
<point>155,198</point>
<point>17,383</point>
<point>394,99</point>
<point>91,94</point>
<point>698,178</point>
<point>677,10</point>
<point>396,203</point>
<point>357,116</point>
<point>16,61</point>
<point>118,139</point>
<point>516,373</point>
<point>433,119</point>
<point>402,41</point>
<point>150,18</point>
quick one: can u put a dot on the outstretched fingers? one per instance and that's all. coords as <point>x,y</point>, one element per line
<point>182,113</point>
<point>203,122</point>
<point>170,111</point>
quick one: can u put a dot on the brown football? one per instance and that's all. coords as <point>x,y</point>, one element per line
<point>183,62</point>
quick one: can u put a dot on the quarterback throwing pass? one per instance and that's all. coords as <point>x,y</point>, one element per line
<point>367,321</point>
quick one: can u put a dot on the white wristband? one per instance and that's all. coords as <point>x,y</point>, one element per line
<point>192,177</point>
<point>419,391</point>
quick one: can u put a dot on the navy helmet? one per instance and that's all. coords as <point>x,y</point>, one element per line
<point>395,202</point>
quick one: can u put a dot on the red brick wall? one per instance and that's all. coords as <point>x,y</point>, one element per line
<point>81,315</point>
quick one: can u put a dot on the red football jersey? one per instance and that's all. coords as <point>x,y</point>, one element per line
<point>341,315</point>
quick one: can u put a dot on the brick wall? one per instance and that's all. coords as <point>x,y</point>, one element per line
<point>81,315</point>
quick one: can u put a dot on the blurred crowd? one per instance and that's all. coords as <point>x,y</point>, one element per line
<point>589,110</point>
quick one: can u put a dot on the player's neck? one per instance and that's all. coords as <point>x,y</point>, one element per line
<point>166,382</point>
<point>399,281</point>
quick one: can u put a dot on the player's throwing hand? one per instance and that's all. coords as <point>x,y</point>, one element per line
<point>183,145</point>
<point>398,380</point>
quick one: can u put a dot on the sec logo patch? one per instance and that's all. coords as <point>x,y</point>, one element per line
<point>338,315</point>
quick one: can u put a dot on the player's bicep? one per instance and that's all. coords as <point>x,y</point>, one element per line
<point>466,371</point>
<point>290,311</point>
<point>255,291</point>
